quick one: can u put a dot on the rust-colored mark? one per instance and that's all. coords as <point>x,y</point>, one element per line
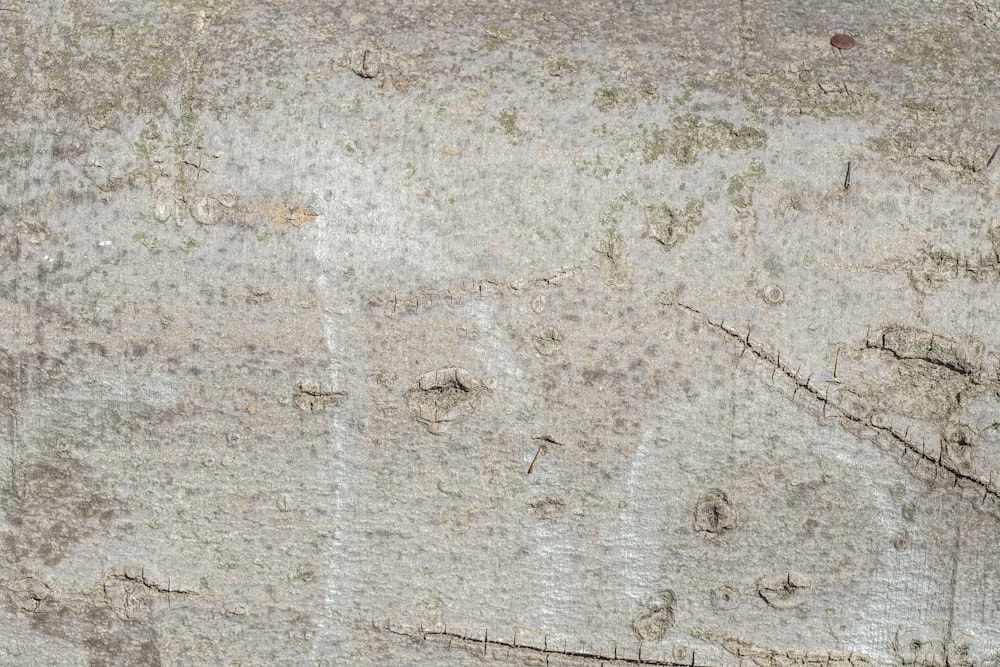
<point>300,215</point>
<point>842,41</point>
<point>280,215</point>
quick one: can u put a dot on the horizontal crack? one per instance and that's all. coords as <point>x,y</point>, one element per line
<point>142,580</point>
<point>408,303</point>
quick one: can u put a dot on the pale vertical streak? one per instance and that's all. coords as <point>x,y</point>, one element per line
<point>339,553</point>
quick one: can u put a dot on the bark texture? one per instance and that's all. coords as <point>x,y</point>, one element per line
<point>499,333</point>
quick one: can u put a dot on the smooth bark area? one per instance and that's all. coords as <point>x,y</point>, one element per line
<point>500,333</point>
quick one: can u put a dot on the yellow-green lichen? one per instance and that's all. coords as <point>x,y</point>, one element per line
<point>497,35</point>
<point>34,232</point>
<point>742,185</point>
<point>691,134</point>
<point>800,91</point>
<point>507,119</point>
<point>624,97</point>
<point>559,66</point>
<point>669,225</point>
<point>611,257</point>
<point>932,145</point>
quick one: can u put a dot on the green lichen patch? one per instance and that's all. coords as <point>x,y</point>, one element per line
<point>749,177</point>
<point>624,98</point>
<point>742,185</point>
<point>604,164</point>
<point>606,99</point>
<point>34,232</point>
<point>714,133</point>
<point>147,240</point>
<point>611,256</point>
<point>507,119</point>
<point>691,134</point>
<point>559,66</point>
<point>100,114</point>
<point>654,144</point>
<point>669,225</point>
<point>801,91</point>
<point>934,146</point>
<point>497,35</point>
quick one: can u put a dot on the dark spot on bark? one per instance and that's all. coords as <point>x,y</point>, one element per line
<point>842,41</point>
<point>714,513</point>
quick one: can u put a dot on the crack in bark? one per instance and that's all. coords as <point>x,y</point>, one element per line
<point>153,586</point>
<point>768,657</point>
<point>398,304</point>
<point>858,417</point>
<point>880,345</point>
<point>908,344</point>
<point>484,643</point>
<point>315,398</point>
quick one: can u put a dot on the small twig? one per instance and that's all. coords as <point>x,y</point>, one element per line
<point>847,179</point>
<point>541,450</point>
<point>992,157</point>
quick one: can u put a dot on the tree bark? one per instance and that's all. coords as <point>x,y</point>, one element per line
<point>500,333</point>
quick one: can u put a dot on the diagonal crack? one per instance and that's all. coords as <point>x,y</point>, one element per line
<point>846,412</point>
<point>485,643</point>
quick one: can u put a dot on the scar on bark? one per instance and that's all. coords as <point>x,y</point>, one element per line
<point>908,343</point>
<point>444,395</point>
<point>714,513</point>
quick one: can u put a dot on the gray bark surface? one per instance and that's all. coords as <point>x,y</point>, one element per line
<point>499,334</point>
